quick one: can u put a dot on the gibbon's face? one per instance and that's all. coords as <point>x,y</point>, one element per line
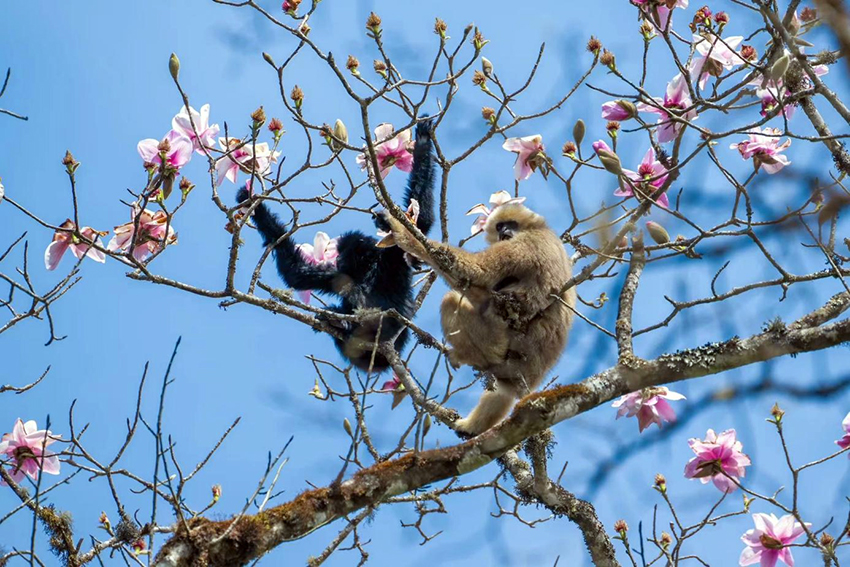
<point>506,229</point>
<point>508,221</point>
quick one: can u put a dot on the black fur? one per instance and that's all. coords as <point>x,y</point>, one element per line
<point>365,276</point>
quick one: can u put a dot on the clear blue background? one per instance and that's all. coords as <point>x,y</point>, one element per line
<point>93,78</point>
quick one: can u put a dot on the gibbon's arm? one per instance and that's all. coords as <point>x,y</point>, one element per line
<point>482,269</point>
<point>297,273</point>
<point>420,183</point>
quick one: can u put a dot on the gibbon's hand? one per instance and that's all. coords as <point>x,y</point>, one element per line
<point>381,220</point>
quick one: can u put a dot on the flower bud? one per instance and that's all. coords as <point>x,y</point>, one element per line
<point>139,547</point>
<point>594,45</point>
<point>373,24</point>
<point>660,483</point>
<point>352,64</point>
<point>569,149</point>
<point>269,59</point>
<point>610,161</point>
<point>579,131</point>
<point>305,29</point>
<point>259,117</point>
<point>657,232</point>
<point>440,28</point>
<point>488,114</point>
<point>174,66</point>
<point>297,96</point>
<point>290,6</point>
<point>776,412</point>
<point>216,492</point>
<point>486,67</point>
<point>104,521</point>
<point>722,18</point>
<point>779,67</point>
<point>426,425</point>
<point>347,426</point>
<point>340,131</point>
<point>316,392</point>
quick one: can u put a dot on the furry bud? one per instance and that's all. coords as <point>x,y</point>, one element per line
<point>610,161</point>
<point>749,53</point>
<point>666,540</point>
<point>657,232</point>
<point>776,412</point>
<point>594,45</point>
<point>216,492</point>
<point>174,66</point>
<point>486,67</point>
<point>569,149</point>
<point>488,114</point>
<point>778,69</point>
<point>809,15</point>
<point>340,131</point>
<point>647,30</point>
<point>660,483</point>
<point>478,40</point>
<point>69,162</point>
<point>578,131</point>
<point>380,68</point>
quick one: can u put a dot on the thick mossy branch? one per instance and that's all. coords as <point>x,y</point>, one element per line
<point>256,535</point>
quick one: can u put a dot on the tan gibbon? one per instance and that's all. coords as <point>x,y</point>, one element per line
<point>503,315</point>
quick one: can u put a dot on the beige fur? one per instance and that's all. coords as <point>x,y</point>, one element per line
<point>516,333</point>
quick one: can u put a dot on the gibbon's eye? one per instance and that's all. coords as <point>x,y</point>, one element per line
<point>506,230</point>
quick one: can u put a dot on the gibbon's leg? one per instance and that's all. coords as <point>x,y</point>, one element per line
<point>477,340</point>
<point>492,407</point>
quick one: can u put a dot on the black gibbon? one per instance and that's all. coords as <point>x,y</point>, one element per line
<point>500,317</point>
<point>365,277</point>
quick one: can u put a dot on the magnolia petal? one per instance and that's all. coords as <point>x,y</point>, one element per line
<point>53,254</point>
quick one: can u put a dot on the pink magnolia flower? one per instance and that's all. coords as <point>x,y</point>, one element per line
<point>389,152</point>
<point>770,91</point>
<point>25,448</point>
<point>769,541</point>
<point>601,145</point>
<point>177,148</point>
<point>62,241</point>
<point>322,252</point>
<point>396,388</point>
<point>714,54</point>
<point>206,133</point>
<point>649,168</point>
<point>663,10</point>
<point>844,442</point>
<point>649,405</point>
<point>151,233</point>
<point>716,455</point>
<point>247,157</point>
<point>677,98</point>
<point>613,110</point>
<point>496,200</point>
<point>764,148</point>
<point>528,150</point>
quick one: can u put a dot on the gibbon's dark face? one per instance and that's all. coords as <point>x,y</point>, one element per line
<point>507,230</point>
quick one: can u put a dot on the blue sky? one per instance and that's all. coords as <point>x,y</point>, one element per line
<point>93,78</point>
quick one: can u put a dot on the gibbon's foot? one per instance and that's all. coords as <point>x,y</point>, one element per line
<point>452,356</point>
<point>461,429</point>
<point>333,321</point>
